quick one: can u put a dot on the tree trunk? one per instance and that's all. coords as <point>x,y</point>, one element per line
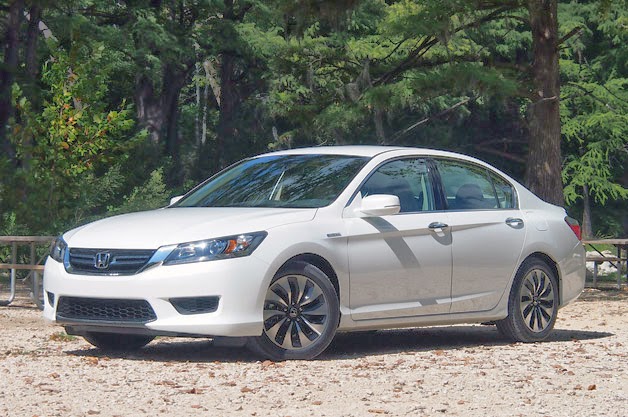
<point>228,142</point>
<point>159,113</point>
<point>149,112</point>
<point>7,74</point>
<point>32,36</point>
<point>587,224</point>
<point>32,70</point>
<point>543,171</point>
<point>173,82</point>
<point>197,115</point>
<point>229,101</point>
<point>378,119</point>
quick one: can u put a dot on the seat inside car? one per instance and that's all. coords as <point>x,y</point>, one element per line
<point>384,184</point>
<point>470,197</point>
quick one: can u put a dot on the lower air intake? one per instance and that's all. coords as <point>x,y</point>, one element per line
<point>195,305</point>
<point>105,310</point>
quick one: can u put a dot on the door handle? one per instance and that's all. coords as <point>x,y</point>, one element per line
<point>514,222</point>
<point>437,225</point>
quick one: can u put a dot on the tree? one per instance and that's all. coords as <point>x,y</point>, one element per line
<point>544,156</point>
<point>594,107</point>
<point>8,70</point>
<point>387,71</point>
<point>73,136</point>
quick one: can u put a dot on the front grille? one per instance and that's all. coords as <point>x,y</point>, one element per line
<point>195,305</point>
<point>108,261</point>
<point>106,310</point>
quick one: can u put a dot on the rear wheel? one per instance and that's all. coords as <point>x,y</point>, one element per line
<point>301,314</point>
<point>532,305</point>
<point>117,342</point>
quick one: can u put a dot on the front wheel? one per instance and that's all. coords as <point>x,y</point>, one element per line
<point>532,305</point>
<point>117,342</point>
<point>301,314</point>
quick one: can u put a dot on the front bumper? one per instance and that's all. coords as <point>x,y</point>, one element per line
<point>239,285</point>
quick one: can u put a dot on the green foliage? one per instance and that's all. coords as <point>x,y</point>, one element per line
<point>150,195</point>
<point>73,137</point>
<point>10,225</point>
<point>451,74</point>
<point>393,64</point>
<point>594,105</point>
<point>62,337</point>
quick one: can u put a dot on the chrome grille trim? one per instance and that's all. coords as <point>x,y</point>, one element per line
<point>82,261</point>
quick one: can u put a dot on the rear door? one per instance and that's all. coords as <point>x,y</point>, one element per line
<point>488,233</point>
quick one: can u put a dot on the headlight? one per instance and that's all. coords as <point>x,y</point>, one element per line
<point>213,249</point>
<point>57,251</point>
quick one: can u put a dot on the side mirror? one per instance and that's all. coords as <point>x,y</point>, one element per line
<point>380,205</point>
<point>175,199</point>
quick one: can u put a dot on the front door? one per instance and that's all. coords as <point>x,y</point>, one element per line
<point>400,265</point>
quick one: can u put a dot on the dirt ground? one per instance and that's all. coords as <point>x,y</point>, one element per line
<point>582,370</point>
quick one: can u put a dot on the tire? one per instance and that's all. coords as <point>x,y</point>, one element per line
<point>117,342</point>
<point>301,314</point>
<point>532,304</point>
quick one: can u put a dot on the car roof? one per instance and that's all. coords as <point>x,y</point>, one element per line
<point>362,150</point>
<point>371,151</point>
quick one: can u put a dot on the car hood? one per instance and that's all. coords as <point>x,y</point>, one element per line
<point>152,229</point>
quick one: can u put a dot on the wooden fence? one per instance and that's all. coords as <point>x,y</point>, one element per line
<point>23,257</point>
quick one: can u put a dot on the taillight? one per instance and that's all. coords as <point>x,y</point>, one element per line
<point>574,226</point>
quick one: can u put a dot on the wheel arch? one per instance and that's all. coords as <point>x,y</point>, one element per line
<point>319,262</point>
<point>549,261</point>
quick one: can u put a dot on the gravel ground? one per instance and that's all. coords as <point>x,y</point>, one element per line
<point>455,370</point>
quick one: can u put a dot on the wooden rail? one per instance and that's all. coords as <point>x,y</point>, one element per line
<point>34,265</point>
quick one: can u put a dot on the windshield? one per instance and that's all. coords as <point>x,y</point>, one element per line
<point>291,181</point>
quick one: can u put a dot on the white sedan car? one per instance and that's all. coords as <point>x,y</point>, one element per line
<point>283,250</point>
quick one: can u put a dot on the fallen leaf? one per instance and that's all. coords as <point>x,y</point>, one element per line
<point>92,360</point>
<point>592,387</point>
<point>168,383</point>
<point>194,391</point>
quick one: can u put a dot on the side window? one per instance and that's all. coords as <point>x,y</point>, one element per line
<point>408,179</point>
<point>505,192</point>
<point>466,186</point>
